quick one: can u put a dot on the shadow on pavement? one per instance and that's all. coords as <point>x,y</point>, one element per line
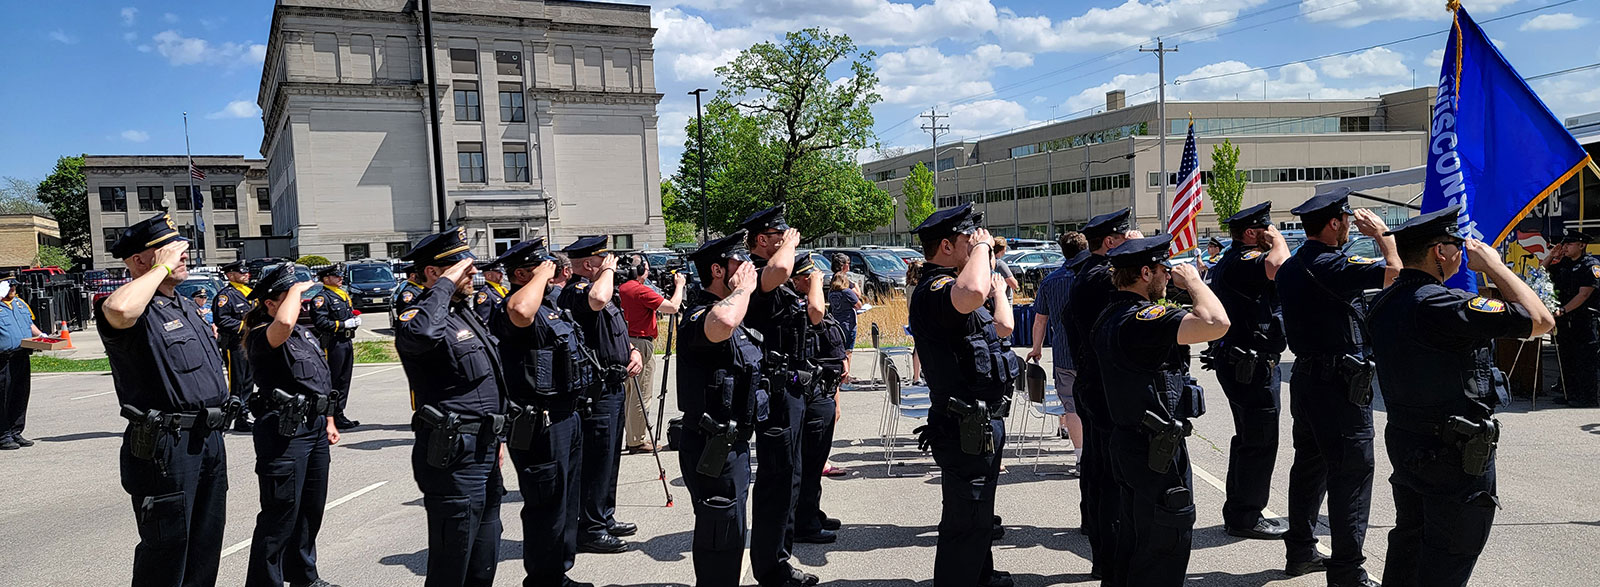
<point>417,562</point>
<point>79,436</point>
<point>378,444</point>
<point>1222,579</point>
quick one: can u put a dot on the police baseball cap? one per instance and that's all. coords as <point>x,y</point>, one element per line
<point>588,246</point>
<point>524,254</point>
<point>958,220</point>
<point>1141,252</point>
<point>769,219</point>
<point>441,249</point>
<point>275,279</point>
<point>1257,216</point>
<point>1437,226</point>
<point>1106,225</point>
<point>149,233</point>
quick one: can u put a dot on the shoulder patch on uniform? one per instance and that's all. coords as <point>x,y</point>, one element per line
<point>1595,269</point>
<point>1360,260</point>
<point>483,296</point>
<point>407,296</point>
<point>1152,312</point>
<point>407,315</point>
<point>697,314</point>
<point>581,286</point>
<point>940,282</point>
<point>318,301</point>
<point>1487,305</point>
<point>1251,255</point>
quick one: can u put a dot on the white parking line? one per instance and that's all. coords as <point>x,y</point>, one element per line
<point>332,504</point>
<point>375,372</point>
<point>1213,481</point>
<point>92,395</point>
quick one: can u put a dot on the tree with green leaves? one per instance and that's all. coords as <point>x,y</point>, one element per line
<point>679,230</point>
<point>1227,183</point>
<point>50,256</point>
<point>20,196</point>
<point>918,191</point>
<point>66,193</point>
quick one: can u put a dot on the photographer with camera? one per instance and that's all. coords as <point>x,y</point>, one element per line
<point>641,307</point>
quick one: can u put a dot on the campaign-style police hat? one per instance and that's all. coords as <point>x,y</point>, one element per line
<point>958,220</point>
<point>1141,252</point>
<point>1257,216</point>
<point>803,264</point>
<point>334,270</point>
<point>275,279</point>
<point>722,249</point>
<point>441,249</point>
<point>235,267</point>
<point>588,246</point>
<point>1576,236</point>
<point>1106,225</point>
<point>524,254</point>
<point>769,219</point>
<point>151,232</point>
<point>1325,205</point>
<point>1436,225</point>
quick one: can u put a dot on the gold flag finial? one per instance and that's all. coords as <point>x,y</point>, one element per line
<point>1452,5</point>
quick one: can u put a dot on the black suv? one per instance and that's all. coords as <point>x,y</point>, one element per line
<point>370,283</point>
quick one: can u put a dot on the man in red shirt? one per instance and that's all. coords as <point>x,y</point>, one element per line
<point>640,306</point>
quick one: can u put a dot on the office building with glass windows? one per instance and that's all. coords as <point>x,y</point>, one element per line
<point>1065,172</point>
<point>124,189</point>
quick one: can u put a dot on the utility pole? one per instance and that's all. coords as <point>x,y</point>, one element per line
<point>433,110</point>
<point>935,129</point>
<point>700,138</point>
<point>1161,52</point>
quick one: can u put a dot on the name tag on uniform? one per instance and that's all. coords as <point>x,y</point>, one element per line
<point>173,325</point>
<point>464,334</point>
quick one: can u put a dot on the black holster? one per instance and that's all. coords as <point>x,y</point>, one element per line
<point>1244,361</point>
<point>1165,438</point>
<point>973,421</point>
<point>444,442</point>
<point>292,411</point>
<point>1477,441</point>
<point>525,424</point>
<point>148,426</point>
<point>1358,373</point>
<point>719,443</point>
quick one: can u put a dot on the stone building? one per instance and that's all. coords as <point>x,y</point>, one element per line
<point>548,124</point>
<point>21,235</point>
<point>124,189</point>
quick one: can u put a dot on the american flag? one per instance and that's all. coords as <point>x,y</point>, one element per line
<point>1186,203</point>
<point>195,172</point>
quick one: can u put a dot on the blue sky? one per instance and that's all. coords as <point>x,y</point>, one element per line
<point>113,77</point>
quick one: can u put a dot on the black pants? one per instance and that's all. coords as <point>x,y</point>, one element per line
<point>1578,346</point>
<point>463,504</point>
<point>180,510</point>
<point>602,440</point>
<point>548,474</point>
<point>1156,529</point>
<point>777,489</point>
<point>816,441</point>
<point>341,353</point>
<point>293,475</point>
<point>16,385</point>
<point>1332,457</point>
<point>967,482</point>
<point>719,513</point>
<point>1442,515</point>
<point>1254,449</point>
<point>241,375</point>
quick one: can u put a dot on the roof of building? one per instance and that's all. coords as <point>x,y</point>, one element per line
<point>202,161</point>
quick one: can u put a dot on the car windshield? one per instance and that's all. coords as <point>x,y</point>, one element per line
<point>1012,256</point>
<point>821,263</point>
<point>371,274</point>
<point>883,262</point>
<point>189,286</point>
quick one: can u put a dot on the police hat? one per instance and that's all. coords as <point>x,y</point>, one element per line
<point>588,246</point>
<point>441,249</point>
<point>1214,242</point>
<point>1106,225</point>
<point>235,267</point>
<point>1141,252</point>
<point>1429,227</point>
<point>1257,216</point>
<point>769,219</point>
<point>1576,236</point>
<point>524,254</point>
<point>803,264</point>
<point>958,220</point>
<point>493,265</point>
<point>1325,205</point>
<point>722,249</point>
<point>275,279</point>
<point>151,232</point>
<point>334,270</point>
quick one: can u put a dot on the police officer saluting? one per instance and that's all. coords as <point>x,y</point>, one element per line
<point>228,310</point>
<point>1141,347</point>
<point>825,340</point>
<point>970,373</point>
<point>1330,388</point>
<point>453,367</point>
<point>408,292</point>
<point>336,322</point>
<point>168,377</point>
<point>1440,387</point>
<point>1246,361</point>
<point>1576,275</point>
<point>293,435</point>
<point>592,299</point>
<point>543,351</point>
<point>493,291</point>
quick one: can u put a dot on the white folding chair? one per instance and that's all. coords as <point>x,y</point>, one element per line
<point>902,401</point>
<point>881,353</point>
<point>1044,406</point>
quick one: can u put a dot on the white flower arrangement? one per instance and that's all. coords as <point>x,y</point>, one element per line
<point>1538,279</point>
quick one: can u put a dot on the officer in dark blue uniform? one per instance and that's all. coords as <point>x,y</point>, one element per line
<point>453,366</point>
<point>493,292</point>
<point>168,376</point>
<point>408,292</point>
<point>335,323</point>
<point>778,313</point>
<point>228,310</point>
<point>592,299</point>
<point>1246,361</point>
<point>293,434</point>
<point>1435,354</point>
<point>1576,274</point>
<point>1330,391</point>
<point>1090,291</point>
<point>970,373</point>
<point>722,400</point>
<point>826,339</point>
<point>549,369</point>
<point>1142,350</point>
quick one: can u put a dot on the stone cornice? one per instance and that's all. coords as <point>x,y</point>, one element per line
<point>273,116</point>
<point>591,97</point>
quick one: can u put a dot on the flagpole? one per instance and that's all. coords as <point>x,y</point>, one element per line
<point>194,197</point>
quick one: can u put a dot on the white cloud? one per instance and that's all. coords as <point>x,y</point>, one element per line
<point>1557,21</point>
<point>181,50</point>
<point>130,36</point>
<point>1376,62</point>
<point>62,37</point>
<point>169,18</point>
<point>236,109</point>
<point>924,75</point>
<point>130,16</point>
<point>1086,101</point>
<point>695,47</point>
<point>1570,95</point>
<point>1434,59</point>
<point>986,117</point>
<point>1347,13</point>
<point>145,48</point>
<point>1133,21</point>
<point>135,136</point>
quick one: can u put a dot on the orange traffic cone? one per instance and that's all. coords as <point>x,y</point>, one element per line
<point>65,335</point>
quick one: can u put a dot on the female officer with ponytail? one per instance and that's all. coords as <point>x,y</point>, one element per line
<point>291,436</point>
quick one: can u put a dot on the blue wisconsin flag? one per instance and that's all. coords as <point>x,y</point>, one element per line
<point>1494,146</point>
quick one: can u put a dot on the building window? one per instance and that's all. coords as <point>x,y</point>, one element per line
<point>516,155</point>
<point>464,61</point>
<point>398,249</point>
<point>263,199</point>
<point>228,236</point>
<point>1024,151</point>
<point>182,193</point>
<point>511,103</point>
<point>508,62</point>
<point>357,252</point>
<point>884,175</point>
<point>149,198</point>
<point>111,235</point>
<point>224,197</point>
<point>1355,123</point>
<point>947,164</point>
<point>467,107</point>
<point>113,199</point>
<point>266,230</point>
<point>622,242</point>
<point>469,162</point>
<point>504,238</point>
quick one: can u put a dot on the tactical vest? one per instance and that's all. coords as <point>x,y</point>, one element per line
<point>557,369</point>
<point>1124,382</point>
<point>984,368</point>
<point>724,380</point>
<point>1431,383</point>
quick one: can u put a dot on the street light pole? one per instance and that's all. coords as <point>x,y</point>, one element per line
<point>700,138</point>
<point>433,106</point>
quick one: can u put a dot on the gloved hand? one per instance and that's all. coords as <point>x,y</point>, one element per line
<point>351,323</point>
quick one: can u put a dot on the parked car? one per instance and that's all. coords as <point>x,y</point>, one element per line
<point>194,283</point>
<point>884,272</point>
<point>1363,246</point>
<point>1029,243</point>
<point>906,254</point>
<point>1023,260</point>
<point>370,284</point>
